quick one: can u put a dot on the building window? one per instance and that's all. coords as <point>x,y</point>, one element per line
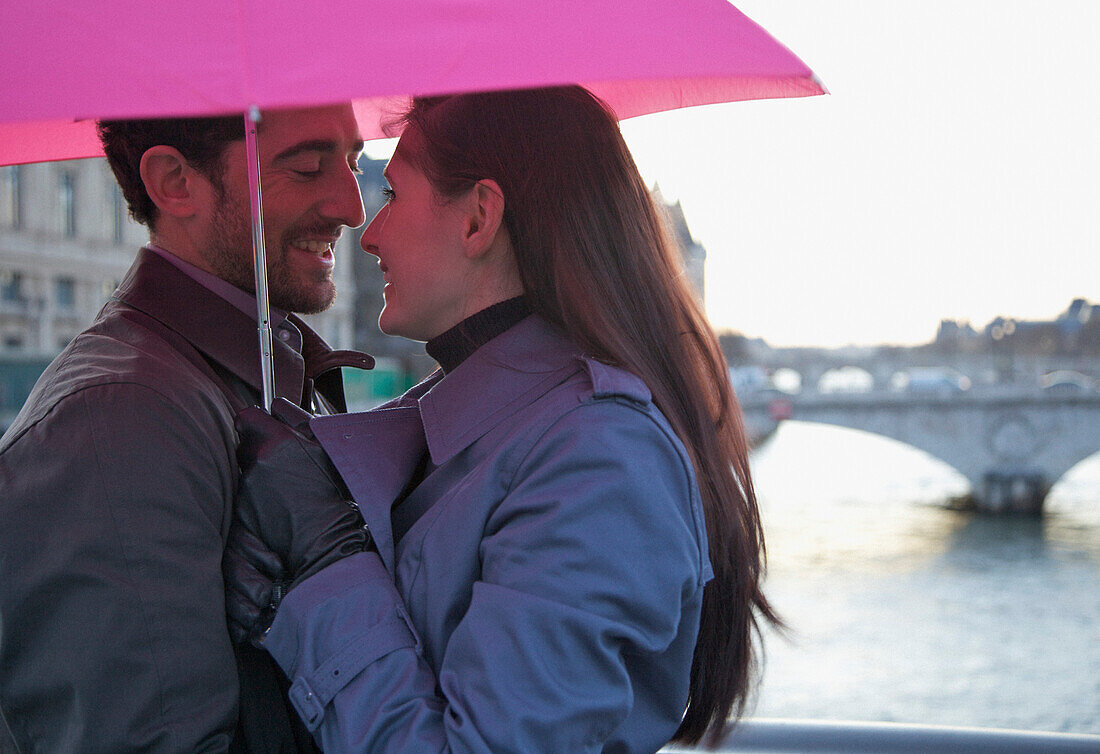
<point>11,287</point>
<point>67,195</point>
<point>64,290</point>
<point>13,342</point>
<point>11,197</point>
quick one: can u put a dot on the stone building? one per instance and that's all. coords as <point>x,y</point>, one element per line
<point>65,242</point>
<point>691,251</point>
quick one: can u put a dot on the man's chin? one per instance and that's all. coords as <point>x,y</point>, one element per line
<point>313,300</point>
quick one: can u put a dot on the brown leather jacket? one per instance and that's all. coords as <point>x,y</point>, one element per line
<point>116,485</point>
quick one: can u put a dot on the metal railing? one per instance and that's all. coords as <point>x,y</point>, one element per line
<point>818,737</point>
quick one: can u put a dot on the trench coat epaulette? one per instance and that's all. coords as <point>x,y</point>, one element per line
<point>612,382</point>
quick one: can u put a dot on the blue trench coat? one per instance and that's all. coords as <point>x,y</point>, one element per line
<point>548,596</point>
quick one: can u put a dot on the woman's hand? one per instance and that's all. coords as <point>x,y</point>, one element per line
<point>293,515</point>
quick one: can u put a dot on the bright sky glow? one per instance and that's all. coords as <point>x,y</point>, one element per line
<point>953,171</point>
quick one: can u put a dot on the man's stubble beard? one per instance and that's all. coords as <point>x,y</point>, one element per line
<point>228,252</point>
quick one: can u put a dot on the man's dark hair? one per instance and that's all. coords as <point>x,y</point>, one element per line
<point>201,141</point>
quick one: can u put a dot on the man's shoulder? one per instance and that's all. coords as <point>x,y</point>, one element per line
<point>122,355</point>
<point>122,347</point>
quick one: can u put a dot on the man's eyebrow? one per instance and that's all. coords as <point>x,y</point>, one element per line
<point>316,145</point>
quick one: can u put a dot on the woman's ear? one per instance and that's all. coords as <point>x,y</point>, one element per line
<point>485,217</point>
<point>169,181</point>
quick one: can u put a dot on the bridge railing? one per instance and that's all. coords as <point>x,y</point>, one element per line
<point>797,736</point>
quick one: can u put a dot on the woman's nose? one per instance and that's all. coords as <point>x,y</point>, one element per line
<point>369,240</point>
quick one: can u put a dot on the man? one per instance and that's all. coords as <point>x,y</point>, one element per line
<point>117,478</point>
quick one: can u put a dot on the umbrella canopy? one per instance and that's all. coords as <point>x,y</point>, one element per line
<point>68,63</point>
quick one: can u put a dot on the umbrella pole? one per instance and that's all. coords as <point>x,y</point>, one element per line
<point>263,306</point>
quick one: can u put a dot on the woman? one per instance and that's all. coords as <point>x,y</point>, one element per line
<point>551,503</point>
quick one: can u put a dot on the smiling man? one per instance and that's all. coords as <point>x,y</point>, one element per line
<point>117,478</point>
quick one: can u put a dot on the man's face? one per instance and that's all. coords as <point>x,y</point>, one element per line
<point>309,192</point>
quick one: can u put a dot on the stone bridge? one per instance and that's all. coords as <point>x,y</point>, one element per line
<point>1012,445</point>
<point>882,362</point>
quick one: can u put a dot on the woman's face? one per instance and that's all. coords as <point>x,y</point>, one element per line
<point>418,241</point>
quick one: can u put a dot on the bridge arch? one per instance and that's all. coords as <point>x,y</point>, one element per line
<point>1011,448</point>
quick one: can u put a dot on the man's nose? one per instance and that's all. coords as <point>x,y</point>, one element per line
<point>344,202</point>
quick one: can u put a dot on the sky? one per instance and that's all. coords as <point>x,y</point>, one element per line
<point>952,172</point>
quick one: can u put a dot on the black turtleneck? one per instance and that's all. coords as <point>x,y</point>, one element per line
<point>454,346</point>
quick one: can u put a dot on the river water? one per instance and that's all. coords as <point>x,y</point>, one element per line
<point>903,610</point>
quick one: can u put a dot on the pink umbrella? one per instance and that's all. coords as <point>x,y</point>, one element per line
<point>83,59</point>
<point>67,63</point>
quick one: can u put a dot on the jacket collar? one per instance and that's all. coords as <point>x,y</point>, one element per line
<point>492,384</point>
<point>225,334</point>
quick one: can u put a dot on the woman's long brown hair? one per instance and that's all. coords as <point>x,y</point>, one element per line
<point>595,259</point>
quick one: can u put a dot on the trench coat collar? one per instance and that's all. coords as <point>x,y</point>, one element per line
<point>378,451</point>
<point>494,382</point>
<point>225,334</point>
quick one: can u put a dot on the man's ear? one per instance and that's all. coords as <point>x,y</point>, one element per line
<point>485,217</point>
<point>170,181</point>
